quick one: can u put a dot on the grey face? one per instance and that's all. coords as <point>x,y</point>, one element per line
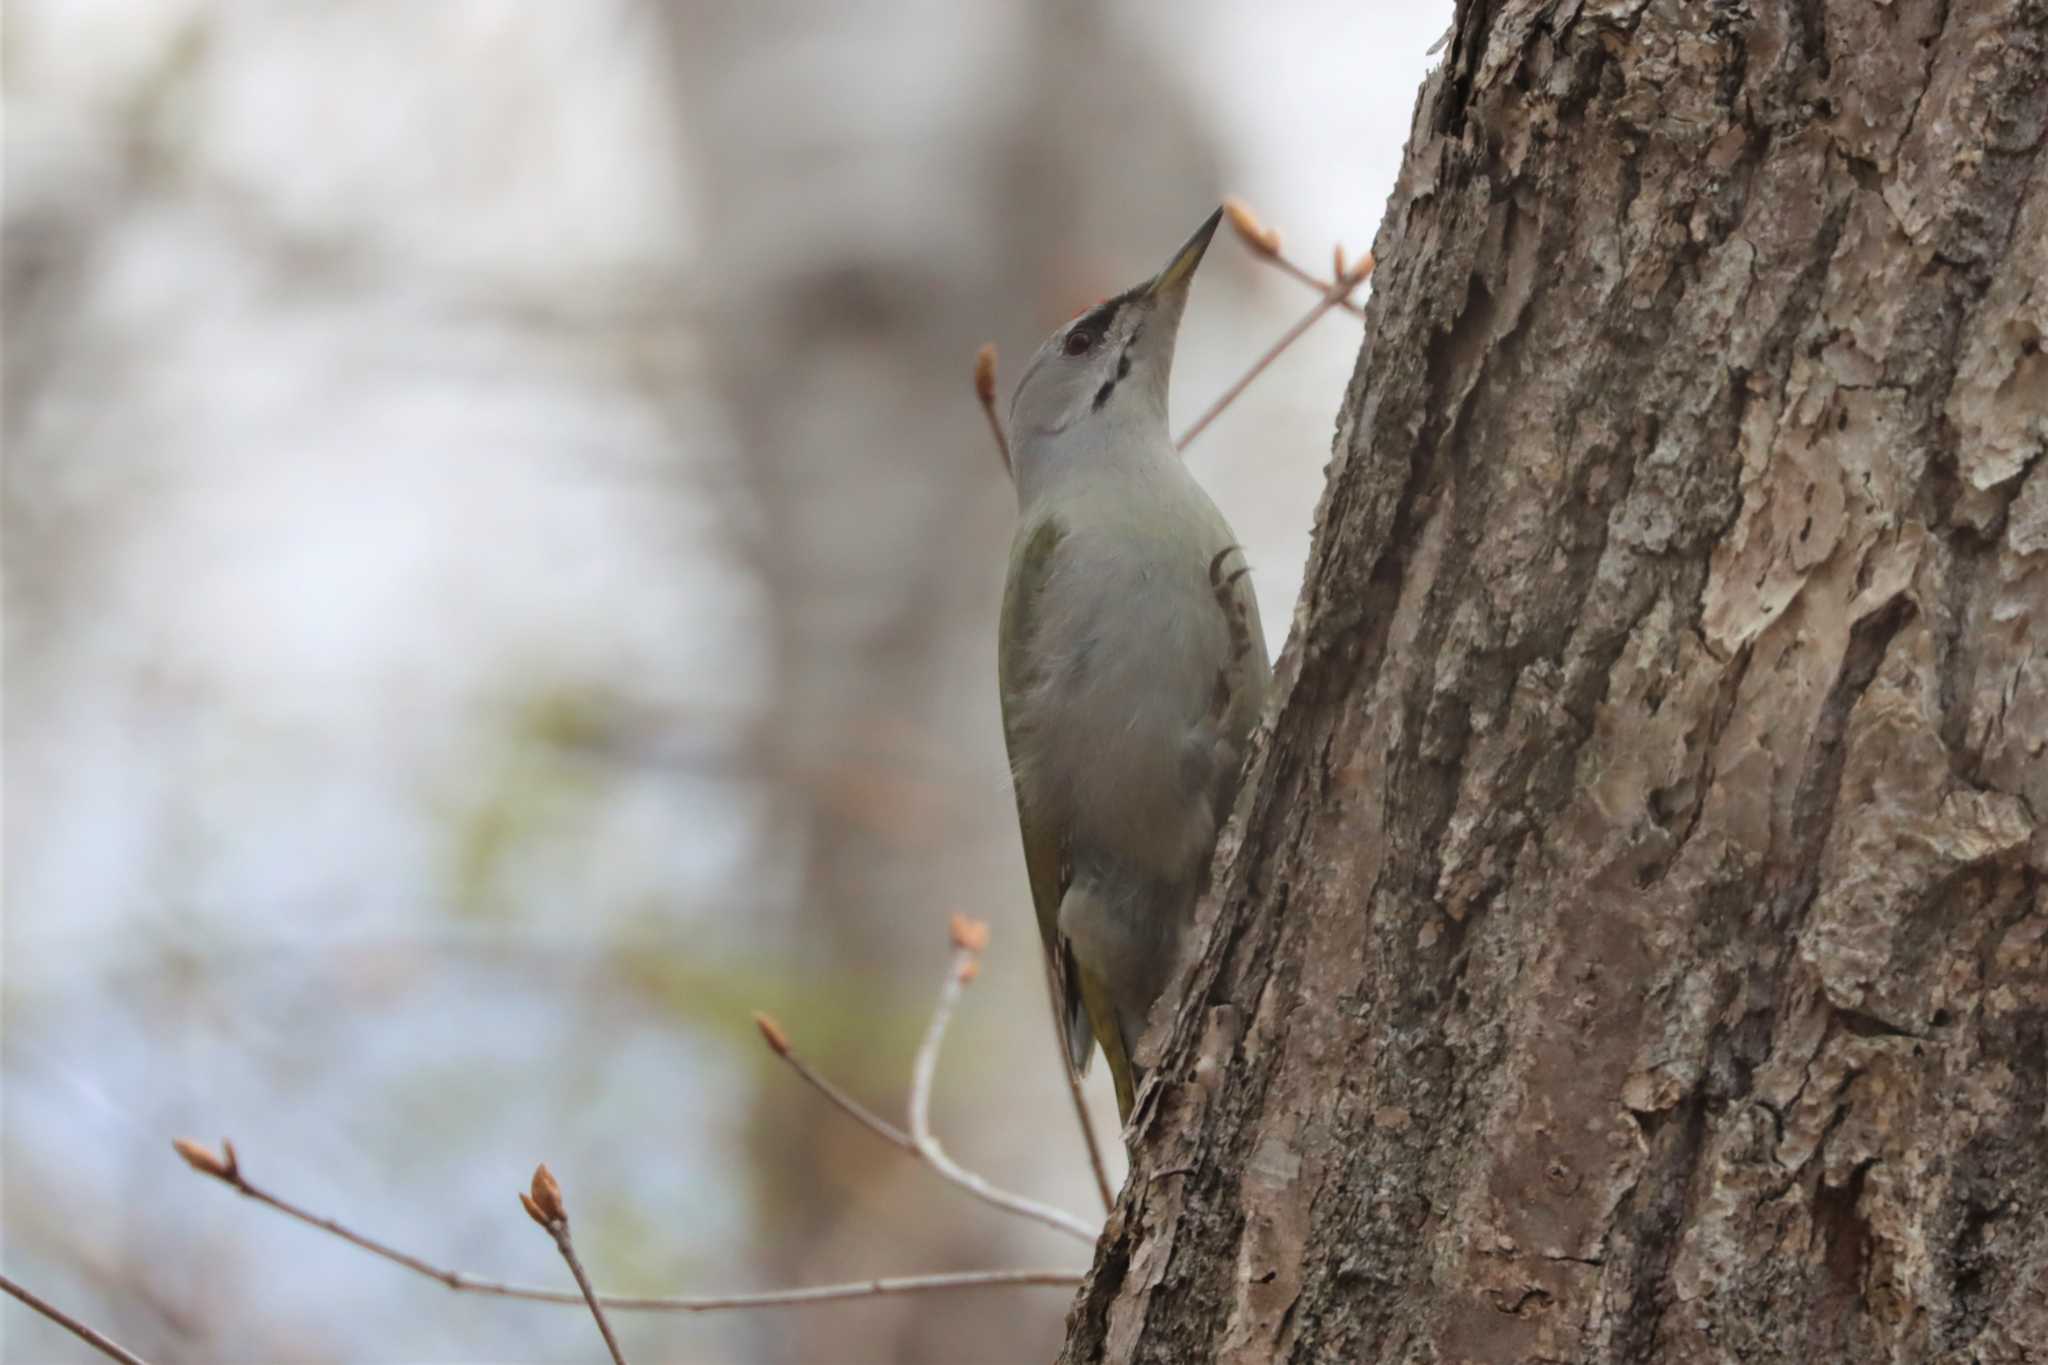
<point>1090,363</point>
<point>1112,363</point>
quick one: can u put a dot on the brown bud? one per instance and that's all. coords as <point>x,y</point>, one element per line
<point>201,1158</point>
<point>970,935</point>
<point>1362,272</point>
<point>547,1196</point>
<point>1337,263</point>
<point>1256,235</point>
<point>985,374</point>
<point>228,1150</point>
<point>772,1033</point>
<point>532,1209</point>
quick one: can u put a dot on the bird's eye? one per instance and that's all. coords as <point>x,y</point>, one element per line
<point>1080,341</point>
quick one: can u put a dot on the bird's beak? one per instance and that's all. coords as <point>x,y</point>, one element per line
<point>1181,269</point>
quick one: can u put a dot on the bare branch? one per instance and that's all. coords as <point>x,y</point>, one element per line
<point>229,1172</point>
<point>969,936</point>
<point>985,390</point>
<point>543,1203</point>
<point>1081,1117</point>
<point>1316,282</point>
<point>884,1287</point>
<point>1095,1162</point>
<point>1264,243</point>
<point>227,1169</point>
<point>1335,295</point>
<point>779,1042</point>
<point>105,1346</point>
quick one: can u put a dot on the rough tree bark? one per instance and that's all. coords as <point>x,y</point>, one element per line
<point>1634,946</point>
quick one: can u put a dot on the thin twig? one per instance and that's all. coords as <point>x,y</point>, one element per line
<point>858,1289</point>
<point>544,1205</point>
<point>1095,1162</point>
<point>1264,243</point>
<point>1329,300</point>
<point>104,1345</point>
<point>779,1044</point>
<point>1313,281</point>
<point>1073,1075</point>
<point>561,1235</point>
<point>969,937</point>
<point>985,390</point>
<point>226,1168</point>
<point>228,1172</point>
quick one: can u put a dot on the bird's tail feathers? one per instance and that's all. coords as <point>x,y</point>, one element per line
<point>1080,1037</point>
<point>1070,1007</point>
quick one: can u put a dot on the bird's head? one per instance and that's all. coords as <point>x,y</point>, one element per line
<point>1109,367</point>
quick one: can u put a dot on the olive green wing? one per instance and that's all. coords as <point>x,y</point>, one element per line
<point>1246,677</point>
<point>1079,1000</point>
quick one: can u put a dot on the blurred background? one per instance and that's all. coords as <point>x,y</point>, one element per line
<point>501,569</point>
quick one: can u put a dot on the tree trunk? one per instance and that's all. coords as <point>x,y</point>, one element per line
<point>1633,945</point>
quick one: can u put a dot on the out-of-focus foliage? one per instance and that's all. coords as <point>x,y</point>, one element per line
<point>500,565</point>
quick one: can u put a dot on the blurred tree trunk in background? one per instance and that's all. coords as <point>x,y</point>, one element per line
<point>1636,947</point>
<point>931,190</point>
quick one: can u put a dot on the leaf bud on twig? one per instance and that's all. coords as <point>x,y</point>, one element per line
<point>969,934</point>
<point>1256,235</point>
<point>772,1033</point>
